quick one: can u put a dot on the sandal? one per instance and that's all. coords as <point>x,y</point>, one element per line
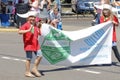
<point>29,75</point>
<point>36,73</point>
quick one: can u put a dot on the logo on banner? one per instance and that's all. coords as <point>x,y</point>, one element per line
<point>56,46</point>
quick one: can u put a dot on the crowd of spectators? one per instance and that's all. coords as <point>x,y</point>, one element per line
<point>10,8</point>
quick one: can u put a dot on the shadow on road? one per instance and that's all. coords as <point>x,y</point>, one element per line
<point>76,67</point>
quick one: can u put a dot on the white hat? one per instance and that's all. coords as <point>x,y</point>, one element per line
<point>29,13</point>
<point>106,6</point>
<point>32,13</point>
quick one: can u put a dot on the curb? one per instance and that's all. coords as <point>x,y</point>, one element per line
<point>8,30</point>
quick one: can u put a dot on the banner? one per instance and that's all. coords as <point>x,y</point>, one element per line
<point>88,46</point>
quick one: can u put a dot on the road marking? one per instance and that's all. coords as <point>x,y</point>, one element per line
<point>94,72</point>
<point>88,71</point>
<point>22,60</point>
<point>77,69</point>
<point>4,57</point>
<point>11,58</point>
<point>16,59</point>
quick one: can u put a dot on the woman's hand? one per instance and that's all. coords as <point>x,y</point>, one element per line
<point>115,23</point>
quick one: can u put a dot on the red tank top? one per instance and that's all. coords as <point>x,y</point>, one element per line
<point>32,0</point>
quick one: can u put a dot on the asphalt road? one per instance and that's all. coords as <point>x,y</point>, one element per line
<point>12,59</point>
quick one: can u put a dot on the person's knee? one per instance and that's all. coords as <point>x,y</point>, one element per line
<point>28,61</point>
<point>39,53</point>
<point>39,57</point>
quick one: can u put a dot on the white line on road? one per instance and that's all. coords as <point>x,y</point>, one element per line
<point>4,57</point>
<point>11,58</point>
<point>88,71</point>
<point>16,59</point>
<point>77,69</point>
<point>94,72</point>
<point>22,60</point>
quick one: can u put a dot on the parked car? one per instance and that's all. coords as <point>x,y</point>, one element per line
<point>80,7</point>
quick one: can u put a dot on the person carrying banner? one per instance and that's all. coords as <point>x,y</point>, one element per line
<point>107,15</point>
<point>30,38</point>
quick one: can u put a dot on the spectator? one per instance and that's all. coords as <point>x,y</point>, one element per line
<point>3,7</point>
<point>44,9</point>
<point>58,5</point>
<point>4,19</point>
<point>30,38</point>
<point>34,4</point>
<point>55,19</point>
<point>0,6</point>
<point>105,1</point>
<point>108,16</point>
<point>97,15</point>
<point>21,8</point>
<point>9,9</point>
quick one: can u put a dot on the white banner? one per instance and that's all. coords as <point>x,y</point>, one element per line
<point>89,46</point>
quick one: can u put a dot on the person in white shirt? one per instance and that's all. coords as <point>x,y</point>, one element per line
<point>55,19</point>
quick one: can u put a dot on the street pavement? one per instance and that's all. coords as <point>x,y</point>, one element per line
<point>12,58</point>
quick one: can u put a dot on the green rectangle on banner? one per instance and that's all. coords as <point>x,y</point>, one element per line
<point>55,56</point>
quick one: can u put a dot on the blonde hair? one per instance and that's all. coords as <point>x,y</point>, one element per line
<point>55,9</point>
<point>110,16</point>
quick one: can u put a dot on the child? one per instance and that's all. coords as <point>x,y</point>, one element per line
<point>30,38</point>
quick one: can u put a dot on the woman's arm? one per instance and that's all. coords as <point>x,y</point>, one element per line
<point>41,4</point>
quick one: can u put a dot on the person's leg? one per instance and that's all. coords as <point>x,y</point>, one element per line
<point>116,52</point>
<point>27,64</point>
<point>36,63</point>
<point>54,23</point>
